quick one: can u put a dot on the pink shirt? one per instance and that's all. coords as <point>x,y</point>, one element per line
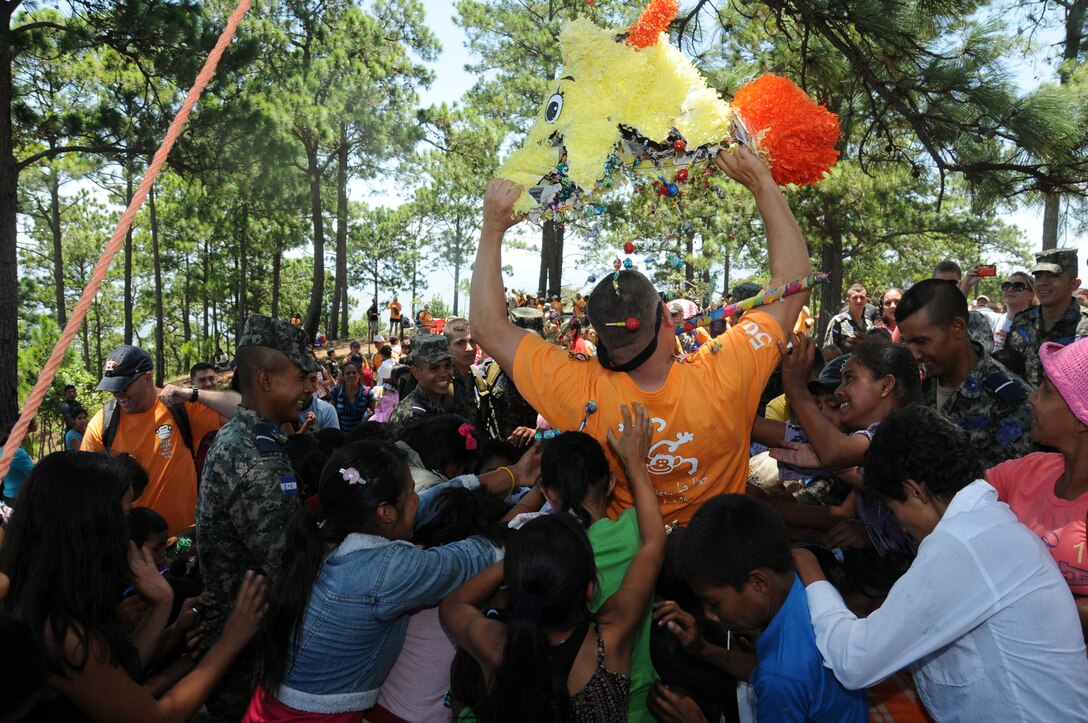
<point>1027,486</point>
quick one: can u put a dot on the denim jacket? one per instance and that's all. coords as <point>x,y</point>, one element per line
<point>357,615</point>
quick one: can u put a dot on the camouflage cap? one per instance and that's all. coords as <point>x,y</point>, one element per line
<point>1056,261</point>
<point>430,348</point>
<point>282,336</point>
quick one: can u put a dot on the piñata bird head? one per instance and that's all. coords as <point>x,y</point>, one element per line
<point>630,101</point>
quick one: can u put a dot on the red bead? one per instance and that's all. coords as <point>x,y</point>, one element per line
<point>632,324</point>
<point>628,248</point>
<point>681,175</point>
<point>680,146</point>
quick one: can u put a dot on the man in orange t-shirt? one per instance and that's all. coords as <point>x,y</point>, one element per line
<point>579,306</point>
<point>703,411</point>
<point>147,430</point>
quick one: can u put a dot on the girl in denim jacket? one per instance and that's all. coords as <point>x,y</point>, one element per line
<point>341,603</point>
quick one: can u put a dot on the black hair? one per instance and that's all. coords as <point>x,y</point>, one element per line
<point>251,360</point>
<point>331,439</point>
<point>462,513</point>
<point>548,567</point>
<point>129,472</point>
<point>883,359</point>
<point>386,351</point>
<point>200,367</point>
<point>440,444</point>
<point>573,465</point>
<point>22,666</point>
<point>1012,360</point>
<point>143,522</point>
<point>728,538</point>
<point>370,431</point>
<point>880,309</point>
<point>942,301</point>
<point>492,448</point>
<point>307,458</point>
<point>921,444</point>
<point>69,386</point>
<point>348,508</point>
<point>66,556</point>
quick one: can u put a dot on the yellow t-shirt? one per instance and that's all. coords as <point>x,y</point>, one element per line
<point>778,409</point>
<point>154,440</point>
<point>702,415</point>
<point>394,311</point>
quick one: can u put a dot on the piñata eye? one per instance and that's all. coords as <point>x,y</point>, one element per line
<point>555,107</point>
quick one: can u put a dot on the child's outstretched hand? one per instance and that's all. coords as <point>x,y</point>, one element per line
<point>631,447</point>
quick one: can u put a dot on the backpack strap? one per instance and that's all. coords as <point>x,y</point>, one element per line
<point>110,420</point>
<point>181,418</point>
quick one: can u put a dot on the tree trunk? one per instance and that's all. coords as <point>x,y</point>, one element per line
<point>689,270</point>
<point>186,322</point>
<point>1051,212</point>
<point>97,335</point>
<point>412,304</point>
<point>555,283</point>
<point>128,253</point>
<point>831,292</point>
<point>206,262</point>
<point>317,290</point>
<point>9,278</point>
<point>457,263</point>
<point>58,249</point>
<point>243,269</point>
<point>340,275</point>
<point>160,322</point>
<point>547,248</point>
<point>277,263</point>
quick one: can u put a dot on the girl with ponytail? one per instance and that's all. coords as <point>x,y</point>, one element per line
<point>557,660</point>
<point>349,581</point>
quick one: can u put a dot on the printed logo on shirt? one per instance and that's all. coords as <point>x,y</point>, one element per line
<point>165,433</point>
<point>662,457</point>
<point>756,336</point>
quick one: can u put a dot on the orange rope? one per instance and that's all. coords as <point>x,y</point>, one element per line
<point>34,401</point>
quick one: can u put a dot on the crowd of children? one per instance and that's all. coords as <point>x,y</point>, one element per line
<point>663,552</point>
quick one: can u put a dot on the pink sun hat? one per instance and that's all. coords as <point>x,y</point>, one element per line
<point>1067,368</point>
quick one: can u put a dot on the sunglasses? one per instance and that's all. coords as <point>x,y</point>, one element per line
<point>1017,286</point>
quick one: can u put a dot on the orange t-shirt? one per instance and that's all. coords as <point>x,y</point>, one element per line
<point>153,439</point>
<point>580,308</point>
<point>394,311</point>
<point>702,415</point>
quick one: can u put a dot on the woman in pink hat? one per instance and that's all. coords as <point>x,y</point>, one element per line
<point>1048,491</point>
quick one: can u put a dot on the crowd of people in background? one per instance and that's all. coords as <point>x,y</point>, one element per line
<point>576,511</point>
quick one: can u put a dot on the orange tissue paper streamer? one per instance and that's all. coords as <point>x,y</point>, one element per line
<point>800,134</point>
<point>653,21</point>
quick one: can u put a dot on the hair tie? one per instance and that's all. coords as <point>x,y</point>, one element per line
<point>466,430</point>
<point>529,606</point>
<point>352,476</point>
<point>313,504</point>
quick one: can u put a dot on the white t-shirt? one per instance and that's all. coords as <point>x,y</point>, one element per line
<point>385,370</point>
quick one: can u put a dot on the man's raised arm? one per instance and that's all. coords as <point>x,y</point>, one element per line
<point>490,326</point>
<point>786,249</point>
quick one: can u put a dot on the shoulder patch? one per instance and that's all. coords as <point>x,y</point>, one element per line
<point>266,438</point>
<point>1005,389</point>
<point>1008,431</point>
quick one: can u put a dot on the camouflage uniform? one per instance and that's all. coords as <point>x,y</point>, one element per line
<point>843,327</point>
<point>414,407</point>
<point>464,399</point>
<point>991,405</point>
<point>979,329</point>
<point>248,494</point>
<point>1027,335</point>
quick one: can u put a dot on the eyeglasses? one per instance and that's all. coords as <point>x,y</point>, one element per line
<point>1016,286</point>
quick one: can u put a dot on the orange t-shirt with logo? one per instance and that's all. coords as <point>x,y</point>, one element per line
<point>153,439</point>
<point>702,415</point>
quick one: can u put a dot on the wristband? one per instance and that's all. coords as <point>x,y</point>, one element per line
<point>513,479</point>
<point>196,394</point>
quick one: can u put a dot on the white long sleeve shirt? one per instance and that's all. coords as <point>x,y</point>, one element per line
<point>983,619</point>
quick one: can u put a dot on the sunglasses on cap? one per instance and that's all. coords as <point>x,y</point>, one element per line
<point>1017,286</point>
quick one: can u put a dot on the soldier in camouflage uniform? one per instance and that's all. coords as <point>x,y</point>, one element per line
<point>432,368</point>
<point>511,409</point>
<point>248,491</point>
<point>1058,318</point>
<point>462,350</point>
<point>963,381</point>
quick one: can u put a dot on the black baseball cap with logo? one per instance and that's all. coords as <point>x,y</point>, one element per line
<point>123,366</point>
